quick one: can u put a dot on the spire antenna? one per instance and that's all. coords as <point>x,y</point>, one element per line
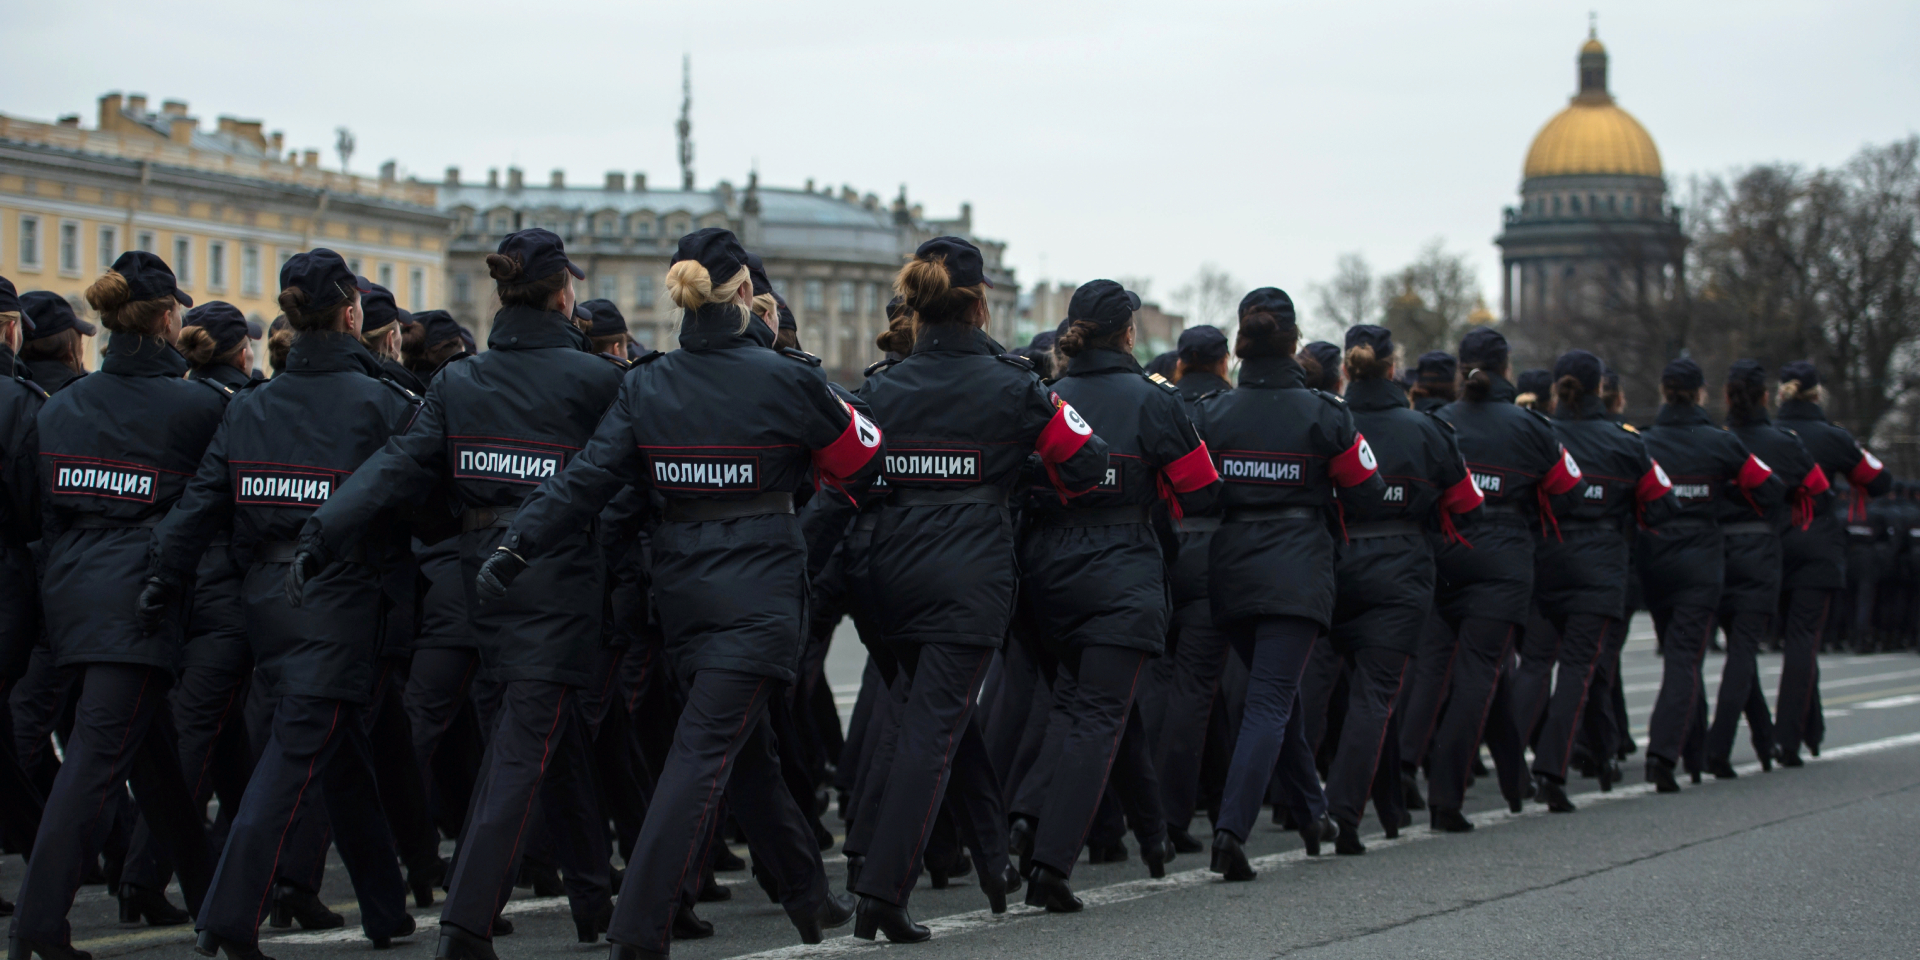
<point>685,126</point>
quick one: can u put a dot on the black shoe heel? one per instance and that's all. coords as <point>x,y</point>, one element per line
<point>874,916</point>
<point>588,929</point>
<point>458,944</point>
<point>405,929</point>
<point>1048,888</point>
<point>836,910</point>
<point>1230,859</point>
<point>208,944</point>
<point>20,949</point>
<point>687,925</point>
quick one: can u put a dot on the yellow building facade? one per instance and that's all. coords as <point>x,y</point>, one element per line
<point>225,208</point>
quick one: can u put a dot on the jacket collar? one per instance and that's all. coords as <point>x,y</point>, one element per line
<point>716,326</point>
<point>1198,383</point>
<point>954,338</point>
<point>1758,419</point>
<point>132,355</point>
<point>224,374</point>
<point>1272,373</point>
<point>328,351</point>
<point>1376,394</point>
<point>1102,361</point>
<point>1801,410</point>
<point>1678,415</point>
<point>525,328</point>
<point>1588,408</point>
<point>1503,390</point>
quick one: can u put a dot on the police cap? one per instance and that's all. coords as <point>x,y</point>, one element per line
<point>1105,304</point>
<point>717,249</point>
<point>1437,367</point>
<point>51,314</point>
<point>381,309</point>
<point>606,318</point>
<point>1802,371</point>
<point>965,266</point>
<point>1748,373</point>
<point>1376,338</point>
<point>1202,345</point>
<point>224,322</point>
<point>539,253</point>
<point>1683,374</point>
<point>1581,366</point>
<point>1536,381</point>
<point>1483,347</point>
<point>323,276</point>
<point>1271,300</point>
<point>148,278</point>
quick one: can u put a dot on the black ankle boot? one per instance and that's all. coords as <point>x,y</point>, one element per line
<point>207,944</point>
<point>836,910</point>
<point>1229,859</point>
<point>1660,774</point>
<point>137,903</point>
<point>878,916</point>
<point>458,944</point>
<point>292,904</point>
<point>1450,820</point>
<point>621,951</point>
<point>688,926</point>
<point>21,949</point>
<point>422,879</point>
<point>997,888</point>
<point>1318,832</point>
<point>588,929</point>
<point>405,929</point>
<point>1183,841</point>
<point>854,863</point>
<point>1155,854</point>
<point>1047,887</point>
<point>1722,769</point>
<point>1552,793</point>
<point>1346,841</point>
<point>1020,841</point>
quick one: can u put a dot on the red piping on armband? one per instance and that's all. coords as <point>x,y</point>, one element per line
<point>1563,476</point>
<point>1462,496</point>
<point>1354,465</point>
<point>856,446</point>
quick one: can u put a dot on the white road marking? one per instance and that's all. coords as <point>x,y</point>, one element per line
<point>1904,700</point>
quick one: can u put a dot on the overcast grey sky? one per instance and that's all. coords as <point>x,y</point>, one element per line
<point>1097,139</point>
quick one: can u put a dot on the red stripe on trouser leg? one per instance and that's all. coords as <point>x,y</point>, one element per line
<point>907,877</point>
<point>713,789</point>
<point>546,756</point>
<point>294,814</point>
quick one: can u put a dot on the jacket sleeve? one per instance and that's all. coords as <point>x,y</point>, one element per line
<point>846,442</point>
<point>1868,473</point>
<point>1458,492</point>
<point>205,509</point>
<point>1351,465</point>
<point>1754,482</point>
<point>20,470</point>
<point>1653,493</point>
<point>1187,479</point>
<point>402,472</point>
<point>568,502</point>
<point>1075,459</point>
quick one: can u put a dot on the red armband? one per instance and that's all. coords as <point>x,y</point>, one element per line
<point>1564,475</point>
<point>1866,470</point>
<point>1193,471</point>
<point>1462,496</point>
<point>1355,465</point>
<point>1753,473</point>
<point>1653,484</point>
<point>850,451</point>
<point>1064,435</point>
<point>1816,482</point>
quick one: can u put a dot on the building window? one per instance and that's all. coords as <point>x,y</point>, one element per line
<point>462,290</point>
<point>643,229</point>
<point>109,246</point>
<point>606,287</point>
<point>1556,204</point>
<point>183,260</point>
<point>816,295</point>
<point>416,289</point>
<point>386,276</point>
<point>69,247</point>
<point>216,265</point>
<point>1574,202</point>
<point>607,226</point>
<point>353,264</point>
<point>145,241</point>
<point>502,222</point>
<point>30,242</point>
<point>874,299</point>
<point>250,270</point>
<point>643,288</point>
<point>849,297</point>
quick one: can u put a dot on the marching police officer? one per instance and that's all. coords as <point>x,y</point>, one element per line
<point>494,427</point>
<point>723,429</point>
<point>116,450</point>
<point>385,332</point>
<point>1285,452</point>
<point>20,400</point>
<point>1095,574</point>
<point>608,331</point>
<point>1681,563</point>
<point>281,451</point>
<point>962,419</point>
<point>54,350</point>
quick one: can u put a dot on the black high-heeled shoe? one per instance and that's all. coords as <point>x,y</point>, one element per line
<point>997,888</point>
<point>501,926</point>
<point>589,928</point>
<point>1450,820</point>
<point>1020,841</point>
<point>687,925</point>
<point>405,929</point>
<point>1553,794</point>
<point>1229,858</point>
<point>1113,851</point>
<point>423,879</point>
<point>621,951</point>
<point>207,944</point>
<point>711,890</point>
<point>1183,841</point>
<point>292,904</point>
<point>1346,841</point>
<point>835,911</point>
<point>1047,887</point>
<point>22,949</point>
<point>1318,832</point>
<point>1156,854</point>
<point>1660,774</point>
<point>854,863</point>
<point>137,903</point>
<point>874,916</point>
<point>458,944</point>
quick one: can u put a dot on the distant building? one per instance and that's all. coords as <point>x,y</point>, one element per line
<point>224,207</point>
<point>1157,331</point>
<point>832,255</point>
<point>1593,235</point>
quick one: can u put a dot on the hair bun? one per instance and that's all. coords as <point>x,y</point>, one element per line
<point>109,293</point>
<point>504,268</point>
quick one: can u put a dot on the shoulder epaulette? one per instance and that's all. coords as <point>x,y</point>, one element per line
<point>616,361</point>
<point>651,356</point>
<point>1442,421</point>
<point>403,391</point>
<point>1015,359</point>
<point>1335,399</point>
<point>882,365</point>
<point>800,355</point>
<point>1210,394</point>
<point>1164,383</point>
<point>225,392</point>
<point>1630,428</point>
<point>31,386</point>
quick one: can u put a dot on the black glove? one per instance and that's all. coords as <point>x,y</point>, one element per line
<point>155,599</point>
<point>497,574</point>
<point>308,560</point>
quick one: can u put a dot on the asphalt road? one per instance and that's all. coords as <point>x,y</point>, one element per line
<point>1815,862</point>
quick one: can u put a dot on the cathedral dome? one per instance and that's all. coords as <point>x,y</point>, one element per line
<point>1593,135</point>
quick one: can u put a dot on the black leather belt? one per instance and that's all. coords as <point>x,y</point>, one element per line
<point>1198,524</point>
<point>1252,514</point>
<point>1385,528</point>
<point>692,511</point>
<point>90,522</point>
<point>1747,528</point>
<point>1096,516</point>
<point>282,551</point>
<point>934,498</point>
<point>487,518</point>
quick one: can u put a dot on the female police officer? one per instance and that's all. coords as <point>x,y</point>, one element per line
<point>1095,574</point>
<point>494,427</point>
<point>116,450</point>
<point>1714,477</point>
<point>1285,453</point>
<point>963,419</point>
<point>1385,569</point>
<point>264,478</point>
<point>723,429</point>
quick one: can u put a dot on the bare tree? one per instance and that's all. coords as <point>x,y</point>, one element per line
<point>1350,298</point>
<point>1211,297</point>
<point>1428,303</point>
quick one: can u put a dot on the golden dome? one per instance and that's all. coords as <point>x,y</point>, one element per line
<point>1590,137</point>
<point>1592,46</point>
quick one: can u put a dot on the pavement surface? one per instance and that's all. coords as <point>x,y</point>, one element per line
<point>1815,862</point>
